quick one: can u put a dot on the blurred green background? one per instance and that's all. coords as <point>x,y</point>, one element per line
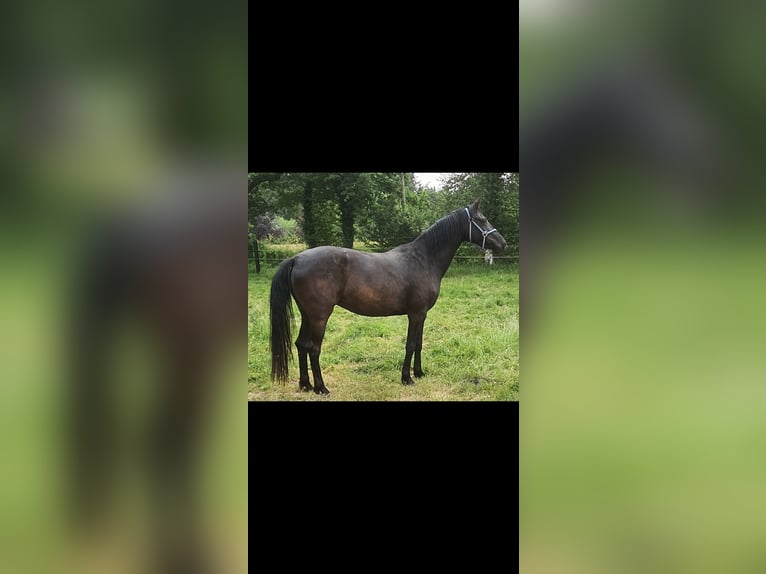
<point>103,108</point>
<point>641,428</point>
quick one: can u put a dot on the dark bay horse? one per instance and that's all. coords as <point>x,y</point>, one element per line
<point>402,281</point>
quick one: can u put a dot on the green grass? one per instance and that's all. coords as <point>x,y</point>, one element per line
<point>470,345</point>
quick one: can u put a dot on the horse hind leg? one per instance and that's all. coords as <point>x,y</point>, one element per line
<point>317,329</point>
<point>303,344</point>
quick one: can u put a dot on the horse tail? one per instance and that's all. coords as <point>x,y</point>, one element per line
<point>281,320</point>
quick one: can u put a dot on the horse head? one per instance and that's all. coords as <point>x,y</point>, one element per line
<point>481,232</point>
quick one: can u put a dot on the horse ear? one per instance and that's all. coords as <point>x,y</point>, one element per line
<point>475,206</point>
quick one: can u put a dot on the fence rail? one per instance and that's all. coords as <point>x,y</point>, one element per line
<point>257,261</point>
<point>477,260</point>
<point>280,259</point>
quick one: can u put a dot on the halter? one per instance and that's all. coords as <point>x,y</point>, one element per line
<point>483,233</point>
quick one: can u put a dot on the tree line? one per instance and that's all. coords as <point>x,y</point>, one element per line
<point>381,209</point>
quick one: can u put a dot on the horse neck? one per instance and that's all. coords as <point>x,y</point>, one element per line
<point>440,242</point>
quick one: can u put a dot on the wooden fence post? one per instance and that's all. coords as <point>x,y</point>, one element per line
<point>257,256</point>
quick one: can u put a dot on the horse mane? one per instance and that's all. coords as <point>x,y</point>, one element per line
<point>443,230</point>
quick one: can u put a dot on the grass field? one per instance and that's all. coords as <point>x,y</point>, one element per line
<point>470,344</point>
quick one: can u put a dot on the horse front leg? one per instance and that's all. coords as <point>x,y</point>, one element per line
<point>418,369</point>
<point>415,323</point>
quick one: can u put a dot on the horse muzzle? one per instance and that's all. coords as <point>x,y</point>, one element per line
<point>496,242</point>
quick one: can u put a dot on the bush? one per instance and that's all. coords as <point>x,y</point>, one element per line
<point>265,227</point>
<point>291,231</point>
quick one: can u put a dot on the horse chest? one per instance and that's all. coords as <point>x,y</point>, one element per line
<point>430,294</point>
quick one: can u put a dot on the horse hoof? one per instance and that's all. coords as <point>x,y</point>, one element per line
<point>305,387</point>
<point>418,374</point>
<point>408,382</point>
<point>321,390</point>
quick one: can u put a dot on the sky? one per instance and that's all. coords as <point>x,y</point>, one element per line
<point>432,179</point>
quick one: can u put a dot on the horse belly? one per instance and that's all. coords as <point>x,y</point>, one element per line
<point>374,298</point>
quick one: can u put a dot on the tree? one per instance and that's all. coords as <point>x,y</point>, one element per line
<point>305,197</point>
<point>263,191</point>
<point>261,196</point>
<point>332,203</point>
<point>320,220</point>
<point>383,209</point>
<point>386,220</point>
<point>353,192</point>
<point>499,193</point>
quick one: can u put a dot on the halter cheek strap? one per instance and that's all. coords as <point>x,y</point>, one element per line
<point>483,233</point>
